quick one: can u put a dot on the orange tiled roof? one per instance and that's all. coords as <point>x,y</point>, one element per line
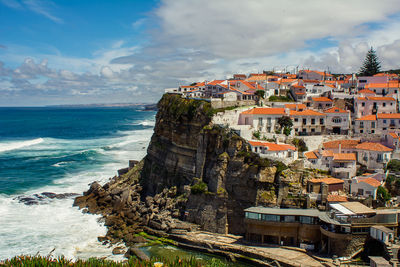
<point>310,155</point>
<point>294,106</point>
<point>394,135</point>
<point>265,111</point>
<point>366,91</point>
<point>310,81</point>
<point>371,181</point>
<point>273,146</point>
<point>327,153</point>
<point>250,86</point>
<point>327,181</point>
<point>383,85</point>
<point>367,118</point>
<point>344,143</point>
<point>335,110</point>
<point>336,198</point>
<point>215,82</point>
<point>388,116</point>
<point>321,99</point>
<point>306,112</point>
<point>344,156</point>
<point>319,72</point>
<point>373,147</point>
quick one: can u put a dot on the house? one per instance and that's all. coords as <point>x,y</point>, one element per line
<point>308,122</point>
<point>337,121</point>
<point>314,75</point>
<point>239,76</point>
<point>343,165</point>
<point>392,140</point>
<point>388,122</point>
<point>366,125</point>
<point>366,92</point>
<point>365,187</point>
<point>382,233</point>
<point>298,92</point>
<point>336,198</point>
<point>262,119</point>
<point>362,81</point>
<point>389,88</point>
<point>284,152</point>
<point>321,103</point>
<point>373,105</point>
<point>333,185</point>
<point>296,106</point>
<point>341,146</point>
<point>373,155</point>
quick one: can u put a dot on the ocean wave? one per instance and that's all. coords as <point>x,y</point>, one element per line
<point>19,144</point>
<point>145,123</point>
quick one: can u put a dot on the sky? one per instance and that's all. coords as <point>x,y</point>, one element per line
<point>129,51</point>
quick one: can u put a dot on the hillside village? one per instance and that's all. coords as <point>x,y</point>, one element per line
<point>346,127</point>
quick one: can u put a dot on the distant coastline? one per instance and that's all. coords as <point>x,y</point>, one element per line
<point>104,105</point>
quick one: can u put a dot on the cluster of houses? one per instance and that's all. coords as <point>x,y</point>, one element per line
<point>348,122</point>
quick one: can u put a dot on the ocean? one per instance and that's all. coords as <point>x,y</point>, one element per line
<point>62,150</point>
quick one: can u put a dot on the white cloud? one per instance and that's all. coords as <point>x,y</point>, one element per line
<point>42,8</point>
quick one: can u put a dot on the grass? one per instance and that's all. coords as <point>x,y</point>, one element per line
<point>94,262</point>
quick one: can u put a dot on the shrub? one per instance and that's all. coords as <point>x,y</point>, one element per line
<point>256,134</point>
<point>199,188</point>
<point>300,144</point>
<point>393,165</point>
<point>382,194</point>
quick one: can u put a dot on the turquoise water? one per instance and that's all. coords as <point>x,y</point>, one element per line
<point>61,150</point>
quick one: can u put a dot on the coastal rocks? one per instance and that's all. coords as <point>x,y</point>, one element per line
<point>43,198</point>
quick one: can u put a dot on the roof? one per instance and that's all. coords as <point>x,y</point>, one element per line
<point>383,85</point>
<point>336,198</point>
<point>357,207</point>
<point>327,181</point>
<point>319,72</point>
<point>294,106</point>
<point>335,110</point>
<point>344,157</point>
<point>371,181</point>
<point>310,155</point>
<point>215,82</point>
<point>321,99</point>
<point>273,146</point>
<point>367,118</point>
<point>366,91</point>
<point>343,143</point>
<point>306,112</point>
<point>388,116</point>
<point>265,111</point>
<point>278,211</point>
<point>394,135</point>
<point>327,153</point>
<point>373,147</point>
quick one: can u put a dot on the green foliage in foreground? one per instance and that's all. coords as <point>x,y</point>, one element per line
<point>93,262</point>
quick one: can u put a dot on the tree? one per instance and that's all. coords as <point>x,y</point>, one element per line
<point>382,194</point>
<point>371,65</point>
<point>286,123</point>
<point>260,93</point>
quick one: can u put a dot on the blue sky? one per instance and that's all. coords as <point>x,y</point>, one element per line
<point>68,51</point>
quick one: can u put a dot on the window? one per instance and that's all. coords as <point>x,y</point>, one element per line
<point>336,120</point>
<point>304,121</point>
<point>384,121</point>
<point>255,149</point>
<point>361,124</point>
<point>313,130</point>
<point>306,219</point>
<point>270,218</point>
<point>289,218</point>
<point>361,131</point>
<point>360,191</point>
<point>392,122</point>
<point>312,121</point>
<point>363,104</point>
<point>296,120</point>
<point>379,157</point>
<point>260,121</point>
<point>321,121</point>
<point>384,104</point>
<point>372,124</point>
<point>252,215</point>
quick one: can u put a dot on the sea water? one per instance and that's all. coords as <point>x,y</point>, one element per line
<point>62,150</point>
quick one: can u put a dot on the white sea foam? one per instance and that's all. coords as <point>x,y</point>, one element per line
<point>40,228</point>
<point>7,146</point>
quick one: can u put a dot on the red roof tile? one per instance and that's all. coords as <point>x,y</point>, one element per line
<point>336,198</point>
<point>273,146</point>
<point>335,110</point>
<point>344,143</point>
<point>327,181</point>
<point>344,157</point>
<point>265,111</point>
<point>310,155</point>
<point>367,118</point>
<point>307,112</point>
<point>321,99</point>
<point>388,116</point>
<point>373,147</point>
<point>371,181</point>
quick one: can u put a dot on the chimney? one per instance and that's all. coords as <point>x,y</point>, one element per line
<point>340,148</point>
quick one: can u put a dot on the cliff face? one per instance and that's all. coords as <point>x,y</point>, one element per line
<point>213,167</point>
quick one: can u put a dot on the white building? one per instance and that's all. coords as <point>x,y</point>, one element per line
<point>337,121</point>
<point>373,155</point>
<point>283,152</point>
<point>364,187</point>
<point>262,119</point>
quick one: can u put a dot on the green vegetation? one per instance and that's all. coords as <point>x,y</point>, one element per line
<point>182,108</point>
<point>371,65</point>
<point>256,135</point>
<point>93,262</point>
<point>285,123</point>
<point>260,93</point>
<point>275,98</point>
<point>393,165</point>
<point>199,188</point>
<point>300,144</point>
<point>382,194</point>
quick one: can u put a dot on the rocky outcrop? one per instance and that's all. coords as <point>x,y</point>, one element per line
<point>194,172</point>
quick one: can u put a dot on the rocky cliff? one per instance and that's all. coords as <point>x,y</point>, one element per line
<point>193,172</point>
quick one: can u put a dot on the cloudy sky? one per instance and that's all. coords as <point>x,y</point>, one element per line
<point>78,51</point>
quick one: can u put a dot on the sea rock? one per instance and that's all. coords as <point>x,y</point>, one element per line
<point>118,251</point>
<point>133,251</point>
